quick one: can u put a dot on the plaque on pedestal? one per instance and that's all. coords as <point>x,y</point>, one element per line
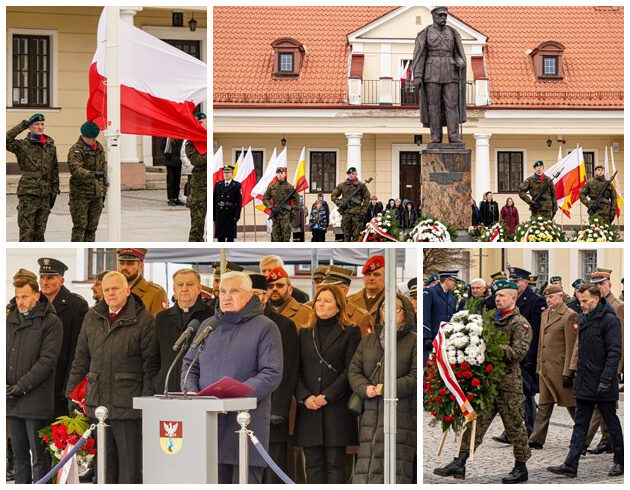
<point>446,184</point>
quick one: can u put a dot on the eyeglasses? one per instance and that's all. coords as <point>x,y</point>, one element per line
<point>399,309</point>
<point>276,286</point>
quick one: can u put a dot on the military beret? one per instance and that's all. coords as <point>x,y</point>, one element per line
<point>200,115</point>
<point>373,263</point>
<point>229,267</point>
<point>446,274</point>
<point>351,170</point>
<point>552,288</point>
<point>24,273</point>
<point>518,273</point>
<point>99,277</point>
<point>538,163</point>
<point>51,267</point>
<point>35,118</point>
<point>498,275</point>
<point>338,275</point>
<point>259,281</point>
<point>320,272</point>
<point>433,277</point>
<point>438,10</point>
<point>131,254</point>
<point>275,274</point>
<point>555,278</point>
<point>90,129</point>
<point>281,169</point>
<point>576,284</point>
<point>503,284</point>
<point>598,166</point>
<point>412,286</point>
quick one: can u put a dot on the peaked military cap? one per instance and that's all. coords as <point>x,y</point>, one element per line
<point>446,274</point>
<point>503,284</point>
<point>438,10</point>
<point>51,267</point>
<point>518,273</point>
<point>229,267</point>
<point>338,275</point>
<point>320,272</point>
<point>576,284</point>
<point>412,285</point>
<point>131,254</point>
<point>600,275</point>
<point>498,275</point>
<point>532,280</point>
<point>228,168</point>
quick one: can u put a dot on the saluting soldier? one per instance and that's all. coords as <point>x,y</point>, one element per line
<point>198,199</point>
<point>546,204</point>
<point>607,208</point>
<point>39,185</point>
<point>131,265</point>
<point>354,211</point>
<point>226,203</point>
<point>509,400</point>
<point>558,331</point>
<point>88,177</point>
<point>281,193</point>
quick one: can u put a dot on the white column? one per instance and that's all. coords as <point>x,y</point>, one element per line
<point>354,152</point>
<point>482,166</point>
<point>128,142</point>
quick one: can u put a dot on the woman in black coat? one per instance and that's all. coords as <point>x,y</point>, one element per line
<point>408,216</point>
<point>489,210</point>
<point>324,426</point>
<point>366,376</point>
<point>373,209</point>
<point>475,213</point>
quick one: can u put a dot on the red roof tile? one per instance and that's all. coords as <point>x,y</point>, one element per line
<point>592,63</point>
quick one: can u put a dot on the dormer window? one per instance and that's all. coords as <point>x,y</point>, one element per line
<point>288,55</point>
<point>547,61</point>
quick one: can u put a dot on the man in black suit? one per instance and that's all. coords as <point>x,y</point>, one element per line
<point>227,202</point>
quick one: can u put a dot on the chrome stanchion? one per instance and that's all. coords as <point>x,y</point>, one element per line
<point>101,414</point>
<point>243,419</point>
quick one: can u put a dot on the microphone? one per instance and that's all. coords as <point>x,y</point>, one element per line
<point>202,336</point>
<point>186,334</point>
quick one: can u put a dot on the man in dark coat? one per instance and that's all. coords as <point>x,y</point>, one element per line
<point>281,398</point>
<point>71,309</point>
<point>438,305</point>
<point>373,209</point>
<point>114,353</point>
<point>596,384</point>
<point>169,325</point>
<point>574,304</point>
<point>226,204</point>
<point>246,346</point>
<point>478,289</point>
<point>34,335</point>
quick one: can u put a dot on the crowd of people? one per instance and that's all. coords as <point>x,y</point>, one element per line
<point>305,358</point>
<point>566,348</point>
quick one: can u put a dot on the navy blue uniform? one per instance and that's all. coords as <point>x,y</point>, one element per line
<point>438,307</point>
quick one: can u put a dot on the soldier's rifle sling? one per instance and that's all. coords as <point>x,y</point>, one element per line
<point>346,204</point>
<point>276,209</point>
<point>535,204</point>
<point>593,208</point>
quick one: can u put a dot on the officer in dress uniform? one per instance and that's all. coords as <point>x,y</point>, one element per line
<point>227,203</point>
<point>547,205</point>
<point>438,305</point>
<point>131,265</point>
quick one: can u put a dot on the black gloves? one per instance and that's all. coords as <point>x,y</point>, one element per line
<point>53,198</point>
<point>603,388</point>
<point>99,175</point>
<point>428,344</point>
<point>277,419</point>
<point>567,381</point>
<point>14,391</point>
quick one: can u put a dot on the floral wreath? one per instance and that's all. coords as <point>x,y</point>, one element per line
<point>597,230</point>
<point>383,227</point>
<point>539,229</point>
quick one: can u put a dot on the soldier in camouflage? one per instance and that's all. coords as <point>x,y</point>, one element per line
<point>275,196</point>
<point>510,399</point>
<point>589,193</point>
<point>198,199</point>
<point>39,185</point>
<point>547,204</point>
<point>352,215</point>
<point>88,183</point>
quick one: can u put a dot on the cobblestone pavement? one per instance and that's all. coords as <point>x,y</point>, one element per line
<point>145,217</point>
<point>494,460</point>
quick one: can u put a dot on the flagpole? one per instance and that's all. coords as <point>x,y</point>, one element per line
<point>305,212</point>
<point>254,208</point>
<point>244,232</point>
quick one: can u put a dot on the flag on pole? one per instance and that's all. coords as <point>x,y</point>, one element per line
<point>268,178</point>
<point>217,167</point>
<point>246,175</point>
<point>571,179</point>
<point>238,162</point>
<point>406,73</point>
<point>299,180</point>
<point>160,86</point>
<point>615,182</point>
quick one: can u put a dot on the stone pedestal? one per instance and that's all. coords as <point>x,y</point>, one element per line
<point>445,184</point>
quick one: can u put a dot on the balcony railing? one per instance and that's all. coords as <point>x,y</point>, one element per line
<point>396,93</point>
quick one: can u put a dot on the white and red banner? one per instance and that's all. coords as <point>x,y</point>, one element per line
<point>245,173</point>
<point>217,167</point>
<point>571,179</point>
<point>159,86</point>
<point>69,473</point>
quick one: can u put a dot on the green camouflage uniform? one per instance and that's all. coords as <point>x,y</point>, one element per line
<point>510,398</point>
<point>198,199</point>
<point>608,207</point>
<point>352,217</point>
<point>548,204</point>
<point>39,182</point>
<point>87,193</point>
<point>281,229</point>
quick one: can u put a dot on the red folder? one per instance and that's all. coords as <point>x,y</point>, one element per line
<point>227,387</point>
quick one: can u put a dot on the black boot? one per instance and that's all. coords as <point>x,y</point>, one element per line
<point>502,438</point>
<point>517,475</point>
<point>616,470</point>
<point>10,470</point>
<point>602,447</point>
<point>456,468</point>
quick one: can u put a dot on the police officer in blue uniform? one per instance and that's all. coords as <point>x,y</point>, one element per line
<point>531,305</point>
<point>574,304</point>
<point>439,305</point>
<point>432,280</point>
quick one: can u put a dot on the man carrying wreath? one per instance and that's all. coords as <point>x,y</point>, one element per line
<point>509,400</point>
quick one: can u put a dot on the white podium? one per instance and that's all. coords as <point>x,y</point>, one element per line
<point>179,437</point>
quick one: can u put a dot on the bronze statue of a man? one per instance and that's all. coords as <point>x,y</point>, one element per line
<point>439,68</point>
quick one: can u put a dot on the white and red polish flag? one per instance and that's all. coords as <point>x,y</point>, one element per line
<point>159,86</point>
<point>246,175</point>
<point>217,167</point>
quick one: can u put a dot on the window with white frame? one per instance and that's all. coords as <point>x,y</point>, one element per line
<point>99,260</point>
<point>588,262</point>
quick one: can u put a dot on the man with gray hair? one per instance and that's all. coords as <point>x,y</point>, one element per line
<point>478,289</point>
<point>246,346</point>
<point>270,262</point>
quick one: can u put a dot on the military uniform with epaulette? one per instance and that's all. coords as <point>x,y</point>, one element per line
<point>531,188</point>
<point>353,212</point>
<point>88,170</point>
<point>39,183</point>
<point>274,196</point>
